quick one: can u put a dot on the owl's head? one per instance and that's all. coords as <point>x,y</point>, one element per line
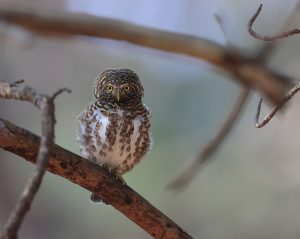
<point>119,87</point>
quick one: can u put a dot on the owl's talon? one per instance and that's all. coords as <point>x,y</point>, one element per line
<point>97,199</point>
<point>118,177</point>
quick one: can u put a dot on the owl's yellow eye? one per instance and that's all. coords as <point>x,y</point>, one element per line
<point>109,88</point>
<point>126,88</point>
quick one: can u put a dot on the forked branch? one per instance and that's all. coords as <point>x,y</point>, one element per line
<point>281,35</point>
<point>45,104</point>
<point>204,155</point>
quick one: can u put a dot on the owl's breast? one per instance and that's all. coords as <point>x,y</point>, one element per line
<point>116,142</point>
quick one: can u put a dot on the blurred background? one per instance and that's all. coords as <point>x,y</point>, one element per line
<point>251,188</point>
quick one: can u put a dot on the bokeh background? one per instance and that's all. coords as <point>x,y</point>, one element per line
<point>251,189</point>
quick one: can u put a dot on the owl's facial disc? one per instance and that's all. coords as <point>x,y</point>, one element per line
<point>118,87</point>
<point>119,93</point>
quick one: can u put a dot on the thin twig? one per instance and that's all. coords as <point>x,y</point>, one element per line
<point>266,120</point>
<point>245,70</point>
<point>220,22</point>
<point>93,178</point>
<point>268,38</point>
<point>59,91</point>
<point>204,154</point>
<point>46,105</point>
<point>266,52</point>
<point>18,82</point>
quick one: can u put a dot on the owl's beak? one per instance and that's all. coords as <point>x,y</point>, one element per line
<point>117,94</point>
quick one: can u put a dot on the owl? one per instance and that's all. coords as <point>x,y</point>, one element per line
<point>114,129</point>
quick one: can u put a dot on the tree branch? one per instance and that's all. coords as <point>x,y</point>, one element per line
<point>183,179</point>
<point>268,38</point>
<point>266,120</point>
<point>204,154</point>
<point>46,105</point>
<point>93,178</point>
<point>212,146</point>
<point>246,70</point>
<point>265,53</point>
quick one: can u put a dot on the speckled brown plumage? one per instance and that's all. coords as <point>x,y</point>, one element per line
<point>114,129</point>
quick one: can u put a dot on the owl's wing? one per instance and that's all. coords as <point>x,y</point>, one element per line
<point>82,135</point>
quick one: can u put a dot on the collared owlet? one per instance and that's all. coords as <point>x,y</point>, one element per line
<point>114,129</point>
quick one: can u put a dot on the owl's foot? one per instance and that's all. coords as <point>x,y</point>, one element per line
<point>97,199</point>
<point>119,177</point>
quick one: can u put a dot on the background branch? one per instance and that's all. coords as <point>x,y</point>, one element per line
<point>265,54</point>
<point>212,146</point>
<point>267,118</point>
<point>270,47</point>
<point>46,105</point>
<point>205,154</point>
<point>268,38</point>
<point>93,178</point>
<point>245,70</point>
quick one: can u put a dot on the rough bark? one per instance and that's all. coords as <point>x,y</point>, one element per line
<point>93,178</point>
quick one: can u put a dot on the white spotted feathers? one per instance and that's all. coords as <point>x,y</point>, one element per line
<point>116,140</point>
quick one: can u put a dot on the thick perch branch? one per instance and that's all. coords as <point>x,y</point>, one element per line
<point>93,178</point>
<point>246,70</point>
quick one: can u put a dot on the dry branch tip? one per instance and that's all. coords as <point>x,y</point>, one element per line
<point>268,38</point>
<point>268,118</point>
<point>19,82</point>
<point>60,91</point>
